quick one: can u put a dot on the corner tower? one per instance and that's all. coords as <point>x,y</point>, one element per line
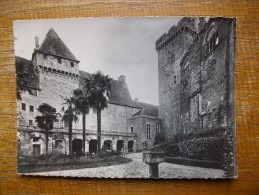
<point>58,70</point>
<point>171,48</point>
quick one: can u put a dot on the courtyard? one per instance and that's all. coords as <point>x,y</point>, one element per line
<point>137,169</point>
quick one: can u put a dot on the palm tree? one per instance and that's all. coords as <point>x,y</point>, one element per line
<point>98,88</point>
<point>82,105</point>
<point>70,113</point>
<point>46,120</point>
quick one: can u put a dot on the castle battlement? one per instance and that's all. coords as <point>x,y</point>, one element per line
<point>184,26</point>
<point>54,71</point>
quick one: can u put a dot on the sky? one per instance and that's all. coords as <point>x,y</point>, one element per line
<point>115,46</point>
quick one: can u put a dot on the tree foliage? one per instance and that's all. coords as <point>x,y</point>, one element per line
<point>46,120</point>
<point>98,88</point>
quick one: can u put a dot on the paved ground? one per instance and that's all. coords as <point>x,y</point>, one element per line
<point>138,169</point>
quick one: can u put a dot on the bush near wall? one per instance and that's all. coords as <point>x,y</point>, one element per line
<point>208,148</point>
<point>193,146</point>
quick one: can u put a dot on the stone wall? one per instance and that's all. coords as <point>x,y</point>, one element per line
<point>139,125</point>
<point>171,48</point>
<point>205,80</point>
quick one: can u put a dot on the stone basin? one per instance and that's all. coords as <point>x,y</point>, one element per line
<point>153,157</point>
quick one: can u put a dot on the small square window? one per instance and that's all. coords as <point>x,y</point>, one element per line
<point>72,64</point>
<point>32,108</point>
<point>23,106</point>
<point>35,139</point>
<point>30,122</point>
<point>33,92</point>
<point>59,60</point>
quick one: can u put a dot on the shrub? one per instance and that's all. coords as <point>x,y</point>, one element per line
<point>209,148</point>
<point>159,138</point>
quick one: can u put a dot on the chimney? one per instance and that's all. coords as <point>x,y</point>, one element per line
<point>37,42</point>
<point>136,100</point>
<point>122,78</point>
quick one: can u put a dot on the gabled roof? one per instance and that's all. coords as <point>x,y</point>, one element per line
<point>24,65</point>
<point>53,44</point>
<point>147,110</point>
<point>119,95</point>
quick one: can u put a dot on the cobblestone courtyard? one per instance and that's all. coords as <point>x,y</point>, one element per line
<point>138,169</point>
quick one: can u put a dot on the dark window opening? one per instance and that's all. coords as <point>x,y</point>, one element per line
<point>35,139</point>
<point>32,108</point>
<point>23,106</point>
<point>148,131</point>
<point>30,122</point>
<point>59,60</point>
<point>174,79</point>
<point>131,129</point>
<point>33,92</point>
<point>72,64</point>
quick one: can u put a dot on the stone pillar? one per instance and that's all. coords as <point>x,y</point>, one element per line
<point>153,170</point>
<point>86,146</point>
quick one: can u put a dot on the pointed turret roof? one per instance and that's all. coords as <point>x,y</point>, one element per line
<point>53,44</point>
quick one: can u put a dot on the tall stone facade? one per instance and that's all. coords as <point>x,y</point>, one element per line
<point>171,48</point>
<point>207,79</point>
<point>196,76</point>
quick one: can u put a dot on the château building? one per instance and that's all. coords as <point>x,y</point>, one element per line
<point>54,74</point>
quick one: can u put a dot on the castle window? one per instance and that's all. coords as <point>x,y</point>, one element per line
<point>72,64</point>
<point>30,122</point>
<point>32,108</point>
<point>44,56</point>
<point>131,129</point>
<point>59,60</point>
<point>174,79</point>
<point>23,106</point>
<point>157,128</point>
<point>148,131</point>
<point>33,92</point>
<point>35,139</point>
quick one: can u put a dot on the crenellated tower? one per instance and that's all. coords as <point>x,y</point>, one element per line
<point>171,48</point>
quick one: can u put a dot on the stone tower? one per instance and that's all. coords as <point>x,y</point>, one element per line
<point>171,48</point>
<point>58,70</point>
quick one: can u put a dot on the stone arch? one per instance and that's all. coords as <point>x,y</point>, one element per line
<point>120,145</point>
<point>59,145</point>
<point>77,145</point>
<point>62,72</point>
<point>58,71</point>
<point>37,145</point>
<point>93,146</point>
<point>130,146</point>
<point>107,144</point>
<point>49,69</point>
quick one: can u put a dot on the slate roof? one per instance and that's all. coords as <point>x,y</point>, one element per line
<point>53,44</point>
<point>147,110</point>
<point>25,65</point>
<point>120,94</point>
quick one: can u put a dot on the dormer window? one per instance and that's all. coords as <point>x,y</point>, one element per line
<point>72,64</point>
<point>59,60</point>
